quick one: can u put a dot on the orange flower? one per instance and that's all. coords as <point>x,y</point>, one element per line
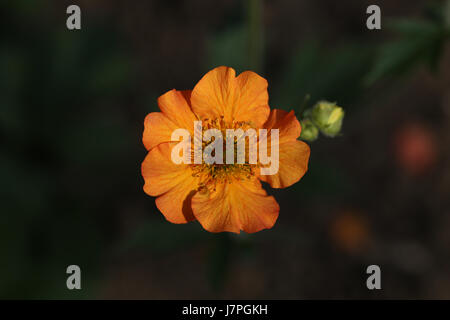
<point>222,197</point>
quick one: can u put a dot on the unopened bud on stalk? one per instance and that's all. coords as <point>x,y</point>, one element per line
<point>309,130</point>
<point>328,117</point>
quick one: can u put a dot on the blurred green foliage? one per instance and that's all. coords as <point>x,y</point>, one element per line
<point>418,41</point>
<point>228,48</point>
<point>322,74</point>
<point>160,237</point>
<point>57,144</point>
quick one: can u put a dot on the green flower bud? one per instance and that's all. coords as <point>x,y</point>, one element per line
<point>328,117</point>
<point>309,130</point>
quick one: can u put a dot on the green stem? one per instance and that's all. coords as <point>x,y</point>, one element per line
<point>220,261</point>
<point>447,14</point>
<point>303,105</point>
<point>255,35</point>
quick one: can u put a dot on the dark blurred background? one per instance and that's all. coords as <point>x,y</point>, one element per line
<point>72,105</point>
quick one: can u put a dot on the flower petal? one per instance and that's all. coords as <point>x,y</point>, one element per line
<point>159,171</point>
<point>215,94</point>
<point>220,93</point>
<point>173,182</point>
<point>287,124</point>
<point>240,205</point>
<point>175,204</point>
<point>253,104</point>
<point>293,164</point>
<point>176,113</point>
<point>157,129</point>
<point>176,107</point>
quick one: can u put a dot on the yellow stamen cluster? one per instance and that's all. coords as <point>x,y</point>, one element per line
<point>211,174</point>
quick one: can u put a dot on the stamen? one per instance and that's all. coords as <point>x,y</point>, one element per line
<point>211,174</point>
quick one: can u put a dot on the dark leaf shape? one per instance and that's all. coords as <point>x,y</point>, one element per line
<point>419,42</point>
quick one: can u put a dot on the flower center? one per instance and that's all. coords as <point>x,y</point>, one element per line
<point>212,173</point>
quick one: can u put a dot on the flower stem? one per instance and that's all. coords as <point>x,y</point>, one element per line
<point>447,14</point>
<point>255,35</point>
<point>219,261</point>
<point>303,105</point>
